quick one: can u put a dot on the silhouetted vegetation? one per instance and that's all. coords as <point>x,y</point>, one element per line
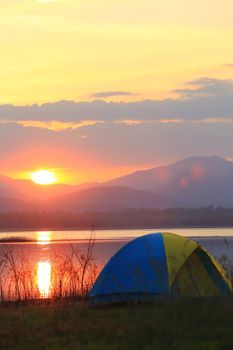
<point>70,274</point>
<point>131,218</point>
<point>57,321</point>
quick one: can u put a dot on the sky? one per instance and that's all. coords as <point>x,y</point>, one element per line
<point>94,89</point>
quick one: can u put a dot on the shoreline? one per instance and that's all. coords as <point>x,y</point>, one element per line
<point>104,228</point>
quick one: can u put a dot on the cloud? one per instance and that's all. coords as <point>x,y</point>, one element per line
<point>206,87</point>
<point>85,135</point>
<point>57,126</point>
<point>203,98</point>
<point>132,122</point>
<point>53,125</point>
<point>141,145</point>
<point>106,94</point>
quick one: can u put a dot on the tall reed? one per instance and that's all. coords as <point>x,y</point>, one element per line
<point>72,275</point>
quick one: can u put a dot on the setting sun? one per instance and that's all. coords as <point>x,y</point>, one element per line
<point>43,177</point>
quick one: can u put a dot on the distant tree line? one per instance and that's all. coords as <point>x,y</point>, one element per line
<point>130,218</point>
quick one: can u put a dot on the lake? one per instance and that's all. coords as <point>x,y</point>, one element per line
<point>217,240</point>
<point>51,261</point>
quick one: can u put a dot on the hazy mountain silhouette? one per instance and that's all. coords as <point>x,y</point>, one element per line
<point>191,182</point>
<point>153,178</point>
<point>30,191</point>
<point>104,198</point>
<point>194,181</point>
<point>14,204</point>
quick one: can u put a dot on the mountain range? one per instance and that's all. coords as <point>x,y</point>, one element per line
<point>191,182</point>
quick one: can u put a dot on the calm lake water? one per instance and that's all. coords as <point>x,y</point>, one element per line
<point>46,246</point>
<point>217,240</point>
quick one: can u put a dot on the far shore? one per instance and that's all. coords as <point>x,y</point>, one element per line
<point>63,229</point>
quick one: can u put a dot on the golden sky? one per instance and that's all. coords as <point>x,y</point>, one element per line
<point>114,50</point>
<point>71,49</point>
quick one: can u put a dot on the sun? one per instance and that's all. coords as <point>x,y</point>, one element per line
<point>43,177</point>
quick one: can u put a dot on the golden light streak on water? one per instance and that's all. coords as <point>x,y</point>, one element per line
<point>43,237</point>
<point>44,278</point>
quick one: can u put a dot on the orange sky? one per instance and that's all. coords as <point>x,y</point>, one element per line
<point>117,51</point>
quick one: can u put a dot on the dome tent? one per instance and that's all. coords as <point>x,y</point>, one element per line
<point>159,265</point>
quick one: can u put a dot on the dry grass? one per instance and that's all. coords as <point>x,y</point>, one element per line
<point>72,274</point>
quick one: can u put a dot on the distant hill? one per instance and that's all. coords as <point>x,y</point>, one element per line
<point>205,191</point>
<point>29,191</point>
<point>192,182</point>
<point>108,199</point>
<point>154,178</point>
<point>14,204</point>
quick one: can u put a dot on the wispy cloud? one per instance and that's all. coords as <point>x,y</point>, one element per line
<point>201,99</point>
<point>176,121</point>
<point>214,121</point>
<point>57,126</point>
<point>205,87</point>
<point>62,126</point>
<point>53,125</point>
<point>132,122</point>
<point>106,94</point>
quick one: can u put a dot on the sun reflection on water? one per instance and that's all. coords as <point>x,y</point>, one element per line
<point>44,278</point>
<point>43,237</point>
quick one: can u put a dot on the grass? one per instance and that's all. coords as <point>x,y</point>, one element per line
<point>68,325</point>
<point>70,274</point>
<point>64,324</point>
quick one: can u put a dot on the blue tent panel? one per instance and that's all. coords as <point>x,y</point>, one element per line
<point>139,268</point>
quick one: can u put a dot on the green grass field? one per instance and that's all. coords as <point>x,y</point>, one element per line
<point>185,325</point>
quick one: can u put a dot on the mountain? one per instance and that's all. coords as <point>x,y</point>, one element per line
<point>191,182</point>
<point>194,181</point>
<point>14,204</point>
<point>206,191</point>
<point>104,198</point>
<point>29,191</point>
<point>154,178</point>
